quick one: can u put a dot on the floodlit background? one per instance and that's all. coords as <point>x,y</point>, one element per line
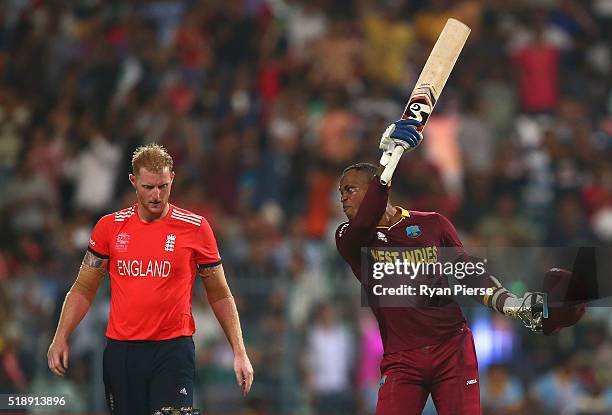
<point>261,104</point>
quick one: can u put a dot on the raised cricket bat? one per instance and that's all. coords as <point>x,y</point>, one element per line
<point>429,86</point>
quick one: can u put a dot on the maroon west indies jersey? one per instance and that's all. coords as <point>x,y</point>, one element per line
<point>402,328</point>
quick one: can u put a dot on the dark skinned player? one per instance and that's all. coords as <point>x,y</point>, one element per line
<point>427,349</point>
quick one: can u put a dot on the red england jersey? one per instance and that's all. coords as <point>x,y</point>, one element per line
<point>402,328</point>
<point>152,267</point>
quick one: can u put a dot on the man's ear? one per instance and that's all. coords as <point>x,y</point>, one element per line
<point>132,180</point>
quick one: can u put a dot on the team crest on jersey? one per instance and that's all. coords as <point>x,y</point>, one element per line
<point>170,241</point>
<point>413,231</point>
<point>123,239</point>
<point>381,237</point>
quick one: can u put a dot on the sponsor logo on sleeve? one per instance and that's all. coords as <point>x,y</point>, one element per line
<point>342,228</point>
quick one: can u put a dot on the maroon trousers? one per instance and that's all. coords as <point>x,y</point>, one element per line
<point>448,370</point>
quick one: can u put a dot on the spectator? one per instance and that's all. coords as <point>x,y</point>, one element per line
<point>505,227</point>
<point>538,70</point>
<point>569,226</point>
<point>368,372</point>
<point>29,201</point>
<point>383,64</point>
<point>501,393</point>
<point>94,167</point>
<point>557,391</point>
<point>330,351</point>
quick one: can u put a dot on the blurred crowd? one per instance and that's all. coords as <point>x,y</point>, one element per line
<point>262,103</point>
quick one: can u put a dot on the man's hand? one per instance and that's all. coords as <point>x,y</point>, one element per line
<point>386,142</point>
<point>402,133</point>
<point>530,309</point>
<point>244,372</point>
<point>57,357</point>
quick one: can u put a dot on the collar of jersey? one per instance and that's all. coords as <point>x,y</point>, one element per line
<point>164,219</point>
<point>405,214</point>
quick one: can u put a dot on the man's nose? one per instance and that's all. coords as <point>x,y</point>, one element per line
<point>156,192</point>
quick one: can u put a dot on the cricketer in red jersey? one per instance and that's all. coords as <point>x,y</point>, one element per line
<point>152,252</point>
<point>427,349</point>
<point>152,269</point>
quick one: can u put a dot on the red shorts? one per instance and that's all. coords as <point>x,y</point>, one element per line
<point>448,370</point>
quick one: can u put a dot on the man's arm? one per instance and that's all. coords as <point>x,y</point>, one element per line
<point>75,307</point>
<point>351,236</point>
<point>363,225</point>
<point>529,309</point>
<point>222,302</point>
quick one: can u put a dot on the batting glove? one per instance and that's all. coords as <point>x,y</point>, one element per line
<point>386,142</point>
<point>402,133</point>
<point>530,309</point>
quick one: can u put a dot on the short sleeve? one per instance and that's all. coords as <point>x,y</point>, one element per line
<point>207,252</point>
<point>100,237</point>
<point>449,233</point>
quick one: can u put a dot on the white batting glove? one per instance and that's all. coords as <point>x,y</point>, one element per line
<point>386,142</point>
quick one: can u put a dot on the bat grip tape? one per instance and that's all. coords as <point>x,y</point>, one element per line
<point>387,173</point>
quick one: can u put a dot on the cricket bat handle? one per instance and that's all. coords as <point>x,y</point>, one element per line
<point>391,164</point>
<point>386,155</point>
